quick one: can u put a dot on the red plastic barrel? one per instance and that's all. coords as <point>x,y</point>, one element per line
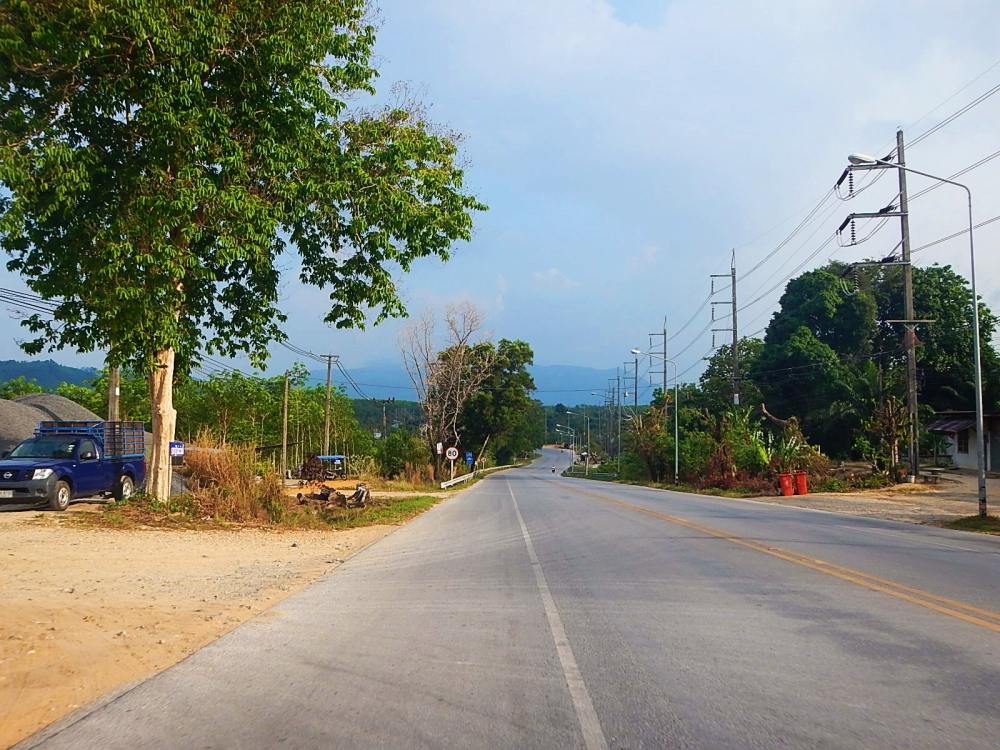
<point>801,483</point>
<point>785,480</point>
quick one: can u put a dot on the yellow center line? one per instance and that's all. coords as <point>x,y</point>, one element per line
<point>983,618</point>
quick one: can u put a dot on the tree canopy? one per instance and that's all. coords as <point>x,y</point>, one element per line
<point>158,157</point>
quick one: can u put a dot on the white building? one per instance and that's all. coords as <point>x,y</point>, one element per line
<point>959,430</point>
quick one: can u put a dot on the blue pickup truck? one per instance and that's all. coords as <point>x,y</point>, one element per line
<point>67,460</point>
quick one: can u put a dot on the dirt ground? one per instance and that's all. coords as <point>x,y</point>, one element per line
<point>953,497</point>
<point>88,610</point>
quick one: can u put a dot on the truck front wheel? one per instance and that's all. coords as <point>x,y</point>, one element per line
<point>124,488</point>
<point>59,500</point>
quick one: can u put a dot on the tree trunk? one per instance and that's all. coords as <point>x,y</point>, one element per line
<point>161,388</point>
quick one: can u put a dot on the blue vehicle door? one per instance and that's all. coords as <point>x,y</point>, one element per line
<point>88,475</point>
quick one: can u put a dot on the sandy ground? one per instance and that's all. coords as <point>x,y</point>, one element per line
<point>955,496</point>
<point>88,610</point>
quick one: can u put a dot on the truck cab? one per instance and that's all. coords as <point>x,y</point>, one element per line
<point>68,460</point>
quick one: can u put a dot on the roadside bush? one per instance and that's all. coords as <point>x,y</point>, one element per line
<point>397,451</point>
<point>633,468</point>
<point>363,467</point>
<point>696,450</point>
<point>226,484</point>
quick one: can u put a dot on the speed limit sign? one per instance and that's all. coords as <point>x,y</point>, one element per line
<point>452,453</point>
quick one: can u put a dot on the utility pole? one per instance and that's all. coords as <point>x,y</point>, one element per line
<point>114,393</point>
<point>635,390</point>
<point>909,322</point>
<point>734,328</point>
<point>736,338</point>
<point>284,432</point>
<point>662,334</point>
<point>330,359</point>
<point>910,335</point>
<point>618,398</point>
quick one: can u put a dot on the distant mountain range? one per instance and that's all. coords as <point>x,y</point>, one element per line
<point>566,384</point>
<point>46,373</point>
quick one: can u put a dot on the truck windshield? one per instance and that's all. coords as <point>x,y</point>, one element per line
<point>45,447</point>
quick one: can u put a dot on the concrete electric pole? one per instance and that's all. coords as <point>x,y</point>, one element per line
<point>114,393</point>
<point>734,328</point>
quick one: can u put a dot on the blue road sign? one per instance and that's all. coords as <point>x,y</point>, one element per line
<point>468,458</point>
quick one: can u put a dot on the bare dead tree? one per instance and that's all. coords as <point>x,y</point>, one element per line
<point>446,373</point>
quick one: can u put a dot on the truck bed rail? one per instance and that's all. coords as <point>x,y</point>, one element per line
<point>120,439</point>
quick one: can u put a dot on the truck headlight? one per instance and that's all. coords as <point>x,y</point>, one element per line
<point>42,474</point>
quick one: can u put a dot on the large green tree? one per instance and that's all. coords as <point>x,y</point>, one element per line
<point>502,410</point>
<point>715,391</point>
<point>944,347</point>
<point>813,353</point>
<point>158,157</point>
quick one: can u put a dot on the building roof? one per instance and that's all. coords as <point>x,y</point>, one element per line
<point>951,424</point>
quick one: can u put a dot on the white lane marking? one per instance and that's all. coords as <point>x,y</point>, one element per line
<point>590,725</point>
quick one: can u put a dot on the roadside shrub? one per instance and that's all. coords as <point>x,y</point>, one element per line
<point>696,450</point>
<point>363,467</point>
<point>419,473</point>
<point>398,450</point>
<point>225,484</point>
<point>633,468</point>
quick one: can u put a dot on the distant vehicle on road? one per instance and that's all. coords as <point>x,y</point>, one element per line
<point>67,460</point>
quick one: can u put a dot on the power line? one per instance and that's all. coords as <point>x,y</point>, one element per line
<point>955,115</point>
<point>794,232</point>
<point>953,236</point>
<point>940,104</point>
<point>936,185</point>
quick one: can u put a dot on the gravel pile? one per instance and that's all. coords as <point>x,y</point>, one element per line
<point>20,417</point>
<point>58,408</point>
<point>17,422</point>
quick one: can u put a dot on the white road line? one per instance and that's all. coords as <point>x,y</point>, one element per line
<point>590,725</point>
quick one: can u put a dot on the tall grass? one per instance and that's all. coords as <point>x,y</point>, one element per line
<point>228,483</point>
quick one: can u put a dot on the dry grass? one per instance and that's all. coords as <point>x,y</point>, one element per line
<point>230,489</point>
<point>227,483</point>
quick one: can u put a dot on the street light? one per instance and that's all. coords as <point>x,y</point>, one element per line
<point>572,435</point>
<point>587,415</point>
<point>677,404</point>
<point>859,160</point>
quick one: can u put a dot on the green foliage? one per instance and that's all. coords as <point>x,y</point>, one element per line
<point>715,387</point>
<point>696,450</point>
<point>400,449</point>
<point>156,159</point>
<point>19,386</point>
<point>502,410</point>
<point>746,440</point>
<point>88,396</point>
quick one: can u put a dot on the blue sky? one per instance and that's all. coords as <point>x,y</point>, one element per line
<point>625,147</point>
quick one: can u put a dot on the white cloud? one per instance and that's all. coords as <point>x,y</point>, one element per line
<point>552,278</point>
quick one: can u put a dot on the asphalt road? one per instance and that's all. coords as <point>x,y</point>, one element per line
<point>535,611</point>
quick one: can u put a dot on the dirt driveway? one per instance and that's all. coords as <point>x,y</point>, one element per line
<point>88,610</point>
<point>954,497</point>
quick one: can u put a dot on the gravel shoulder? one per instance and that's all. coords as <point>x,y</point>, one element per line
<point>88,610</point>
<point>954,497</point>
